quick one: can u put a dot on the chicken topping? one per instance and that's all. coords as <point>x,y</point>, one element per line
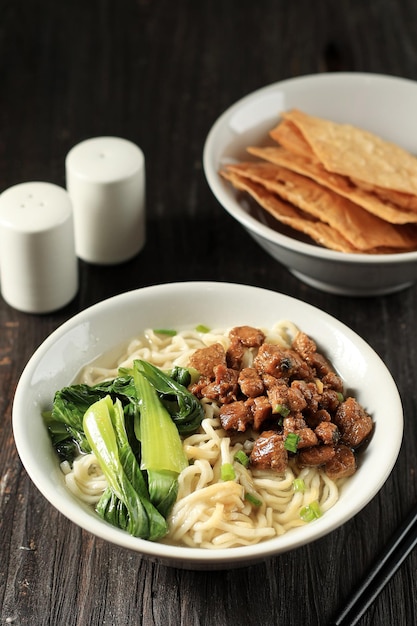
<point>205,360</point>
<point>272,392</point>
<point>269,452</point>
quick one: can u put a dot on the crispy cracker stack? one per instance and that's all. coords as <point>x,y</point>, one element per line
<point>346,188</point>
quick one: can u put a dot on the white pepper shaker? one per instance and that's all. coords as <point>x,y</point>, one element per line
<point>38,264</point>
<point>105,178</point>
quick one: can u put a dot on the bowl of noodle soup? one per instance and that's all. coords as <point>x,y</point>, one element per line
<point>209,526</point>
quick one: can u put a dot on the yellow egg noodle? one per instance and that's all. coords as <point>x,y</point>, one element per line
<point>211,513</point>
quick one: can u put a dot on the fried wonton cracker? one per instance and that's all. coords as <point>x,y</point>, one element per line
<point>356,153</point>
<point>406,201</point>
<point>288,135</point>
<point>319,232</point>
<point>337,183</point>
<point>363,230</point>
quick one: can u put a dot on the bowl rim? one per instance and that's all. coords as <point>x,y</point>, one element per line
<point>253,225</point>
<point>194,558</point>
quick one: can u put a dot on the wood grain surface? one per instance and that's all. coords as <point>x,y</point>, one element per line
<point>159,73</point>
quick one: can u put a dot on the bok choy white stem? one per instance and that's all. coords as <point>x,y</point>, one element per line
<point>126,502</point>
<point>162,454</point>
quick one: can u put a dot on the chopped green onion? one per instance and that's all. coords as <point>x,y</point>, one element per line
<point>291,442</point>
<point>299,485</point>
<point>242,458</point>
<point>253,499</point>
<point>340,396</point>
<point>311,512</point>
<point>201,328</point>
<point>165,331</point>
<point>281,409</point>
<point>227,472</point>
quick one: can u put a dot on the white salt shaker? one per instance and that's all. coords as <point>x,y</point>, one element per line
<point>38,264</point>
<point>105,178</point>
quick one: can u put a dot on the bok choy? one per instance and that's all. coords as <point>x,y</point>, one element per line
<point>125,503</point>
<point>133,424</point>
<point>162,454</point>
<point>183,406</point>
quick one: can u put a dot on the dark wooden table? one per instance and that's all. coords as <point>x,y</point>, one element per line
<point>159,73</point>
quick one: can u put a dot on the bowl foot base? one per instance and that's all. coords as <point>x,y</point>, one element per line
<point>349,291</point>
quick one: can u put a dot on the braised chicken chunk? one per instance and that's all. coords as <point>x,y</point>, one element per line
<point>241,338</point>
<point>277,394</point>
<point>250,382</point>
<point>224,387</point>
<point>269,452</point>
<point>204,360</point>
<point>342,464</point>
<point>353,422</point>
<point>281,363</point>
<point>236,416</point>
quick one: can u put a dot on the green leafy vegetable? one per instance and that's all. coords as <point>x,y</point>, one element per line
<point>184,408</point>
<point>65,421</point>
<point>163,456</point>
<point>181,375</point>
<point>66,446</point>
<point>133,424</point>
<point>125,503</point>
<point>70,404</point>
<point>184,375</point>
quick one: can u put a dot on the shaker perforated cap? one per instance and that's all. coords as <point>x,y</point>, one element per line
<point>105,178</point>
<point>38,264</point>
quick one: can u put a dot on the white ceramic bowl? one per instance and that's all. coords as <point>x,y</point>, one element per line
<point>106,325</point>
<point>384,105</point>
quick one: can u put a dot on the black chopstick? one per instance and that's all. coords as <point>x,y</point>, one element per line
<point>389,560</point>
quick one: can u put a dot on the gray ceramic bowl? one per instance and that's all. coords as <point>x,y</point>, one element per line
<point>384,105</point>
